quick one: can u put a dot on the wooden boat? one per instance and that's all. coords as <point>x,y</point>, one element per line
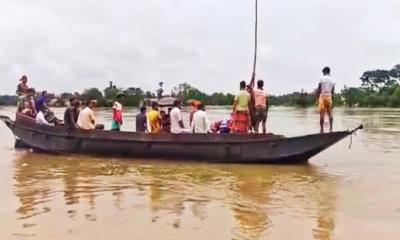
<point>221,148</point>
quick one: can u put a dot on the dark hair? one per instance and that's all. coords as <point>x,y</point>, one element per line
<point>31,91</point>
<point>242,85</point>
<point>24,77</point>
<point>44,92</point>
<point>154,104</point>
<point>326,70</point>
<point>143,109</point>
<point>177,102</point>
<point>260,83</point>
<point>73,98</point>
<point>201,106</point>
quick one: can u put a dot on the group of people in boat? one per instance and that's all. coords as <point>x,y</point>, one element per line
<point>170,119</point>
<point>249,113</point>
<point>37,107</point>
<point>32,106</point>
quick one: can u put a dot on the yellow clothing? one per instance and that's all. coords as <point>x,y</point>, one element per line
<point>154,118</point>
<point>325,103</point>
<point>242,99</point>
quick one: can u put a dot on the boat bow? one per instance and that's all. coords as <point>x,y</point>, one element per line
<point>7,121</point>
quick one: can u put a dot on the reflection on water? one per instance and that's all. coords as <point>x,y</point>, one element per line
<point>344,194</point>
<point>175,193</point>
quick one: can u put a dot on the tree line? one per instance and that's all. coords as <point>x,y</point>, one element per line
<point>133,96</point>
<point>378,88</point>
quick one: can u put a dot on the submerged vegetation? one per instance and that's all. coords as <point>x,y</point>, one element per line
<point>378,88</point>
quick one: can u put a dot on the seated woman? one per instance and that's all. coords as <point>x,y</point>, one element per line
<point>27,104</point>
<point>25,108</point>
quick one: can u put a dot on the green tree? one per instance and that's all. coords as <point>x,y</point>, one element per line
<point>94,94</point>
<point>132,96</point>
<point>111,93</point>
<point>394,100</point>
<point>66,95</point>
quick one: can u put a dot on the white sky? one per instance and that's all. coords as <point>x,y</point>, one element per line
<point>70,45</point>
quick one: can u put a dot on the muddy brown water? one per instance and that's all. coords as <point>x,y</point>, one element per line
<point>341,194</point>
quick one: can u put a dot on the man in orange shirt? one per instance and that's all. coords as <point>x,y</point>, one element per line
<point>261,106</point>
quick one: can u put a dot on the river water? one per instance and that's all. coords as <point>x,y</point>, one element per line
<point>341,194</point>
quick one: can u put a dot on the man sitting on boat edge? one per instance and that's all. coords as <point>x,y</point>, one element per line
<point>71,114</point>
<point>200,123</point>
<point>41,117</point>
<point>86,118</point>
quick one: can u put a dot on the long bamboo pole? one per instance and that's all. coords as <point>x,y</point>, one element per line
<point>253,75</point>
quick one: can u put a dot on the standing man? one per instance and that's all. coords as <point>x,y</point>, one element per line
<point>154,118</point>
<point>200,122</point>
<point>241,121</point>
<point>141,120</point>
<point>177,126</point>
<point>326,89</point>
<point>261,106</point>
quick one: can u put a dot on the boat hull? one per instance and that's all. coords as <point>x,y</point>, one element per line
<point>219,148</point>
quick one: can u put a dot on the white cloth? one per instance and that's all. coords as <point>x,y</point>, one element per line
<point>40,119</point>
<point>327,84</point>
<point>200,122</point>
<point>117,106</point>
<point>86,119</point>
<point>176,117</point>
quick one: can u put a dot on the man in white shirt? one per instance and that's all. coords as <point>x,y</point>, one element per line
<point>41,119</point>
<point>177,126</point>
<point>326,89</point>
<point>200,122</point>
<point>86,119</point>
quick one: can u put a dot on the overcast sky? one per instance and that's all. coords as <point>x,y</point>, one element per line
<point>69,45</point>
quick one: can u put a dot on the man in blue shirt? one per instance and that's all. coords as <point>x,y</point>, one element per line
<point>42,101</point>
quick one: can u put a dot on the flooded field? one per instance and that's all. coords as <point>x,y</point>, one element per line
<point>342,194</point>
